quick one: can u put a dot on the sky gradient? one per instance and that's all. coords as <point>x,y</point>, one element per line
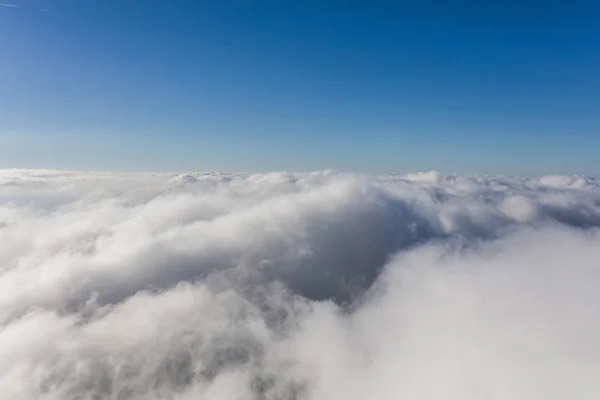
<point>502,87</point>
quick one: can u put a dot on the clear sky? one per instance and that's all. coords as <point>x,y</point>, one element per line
<point>463,86</point>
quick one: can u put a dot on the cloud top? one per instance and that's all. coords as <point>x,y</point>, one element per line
<point>324,285</point>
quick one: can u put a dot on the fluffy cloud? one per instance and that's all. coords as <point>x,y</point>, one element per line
<point>298,286</point>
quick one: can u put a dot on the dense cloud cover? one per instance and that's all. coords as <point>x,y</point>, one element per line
<point>324,286</point>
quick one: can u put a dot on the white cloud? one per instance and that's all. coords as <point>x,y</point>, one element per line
<point>298,286</point>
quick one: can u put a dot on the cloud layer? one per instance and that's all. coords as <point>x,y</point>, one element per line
<point>298,286</point>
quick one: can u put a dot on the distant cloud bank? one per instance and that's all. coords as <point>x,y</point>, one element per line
<point>324,286</point>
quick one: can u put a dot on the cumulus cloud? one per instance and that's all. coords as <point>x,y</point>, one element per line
<point>298,286</point>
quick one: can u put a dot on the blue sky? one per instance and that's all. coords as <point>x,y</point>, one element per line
<point>464,86</point>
